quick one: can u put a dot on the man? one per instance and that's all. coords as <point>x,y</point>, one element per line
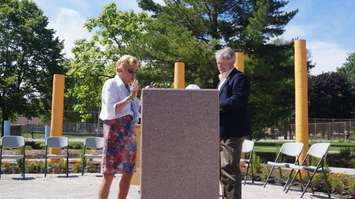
<point>234,121</point>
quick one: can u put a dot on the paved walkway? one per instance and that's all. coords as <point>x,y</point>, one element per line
<point>77,186</point>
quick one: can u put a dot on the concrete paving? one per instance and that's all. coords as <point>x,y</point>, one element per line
<point>56,186</point>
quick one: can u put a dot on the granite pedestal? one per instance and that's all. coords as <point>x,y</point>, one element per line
<point>180,144</point>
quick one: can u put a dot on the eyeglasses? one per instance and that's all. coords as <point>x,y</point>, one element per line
<point>131,71</point>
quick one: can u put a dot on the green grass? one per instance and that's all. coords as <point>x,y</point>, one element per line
<point>41,135</point>
<point>335,147</point>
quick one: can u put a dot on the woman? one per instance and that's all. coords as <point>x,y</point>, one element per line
<point>119,113</point>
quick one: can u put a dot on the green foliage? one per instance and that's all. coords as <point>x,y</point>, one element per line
<point>336,184</point>
<point>247,26</point>
<point>34,166</point>
<point>29,56</point>
<point>348,70</point>
<point>190,31</point>
<point>76,168</point>
<point>256,164</point>
<point>331,96</point>
<point>75,145</point>
<point>272,87</point>
<point>345,152</point>
<point>351,189</point>
<point>157,46</point>
<point>34,145</point>
<point>6,167</point>
<point>264,173</point>
<point>57,167</point>
<point>242,24</point>
<point>91,167</point>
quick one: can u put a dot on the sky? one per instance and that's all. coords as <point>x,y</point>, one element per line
<point>328,26</point>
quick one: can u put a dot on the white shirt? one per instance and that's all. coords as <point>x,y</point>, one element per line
<point>223,77</point>
<point>113,91</point>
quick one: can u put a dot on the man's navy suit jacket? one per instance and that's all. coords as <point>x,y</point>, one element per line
<point>233,106</point>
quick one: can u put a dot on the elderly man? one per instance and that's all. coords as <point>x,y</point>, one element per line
<point>234,121</point>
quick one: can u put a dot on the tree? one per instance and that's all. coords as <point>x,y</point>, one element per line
<point>331,96</point>
<point>348,70</point>
<point>190,31</point>
<point>29,56</point>
<point>157,46</point>
<point>248,26</point>
<point>242,24</point>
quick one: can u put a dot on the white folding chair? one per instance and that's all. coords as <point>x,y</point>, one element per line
<point>57,142</point>
<point>319,151</point>
<point>91,143</point>
<point>291,150</point>
<point>247,150</point>
<point>13,142</point>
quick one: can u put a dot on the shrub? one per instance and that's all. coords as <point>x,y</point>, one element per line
<point>336,184</point>
<point>264,173</point>
<point>345,152</point>
<point>256,163</point>
<point>351,189</point>
<point>77,166</point>
<point>35,145</point>
<point>76,145</point>
<point>34,166</point>
<point>57,167</point>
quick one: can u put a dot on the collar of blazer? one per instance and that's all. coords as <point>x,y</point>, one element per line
<point>231,74</point>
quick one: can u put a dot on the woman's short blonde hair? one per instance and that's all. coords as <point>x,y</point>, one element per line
<point>125,62</point>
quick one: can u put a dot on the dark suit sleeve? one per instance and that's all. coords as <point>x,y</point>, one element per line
<point>239,95</point>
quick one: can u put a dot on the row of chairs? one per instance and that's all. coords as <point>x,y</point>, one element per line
<point>288,157</point>
<point>316,152</point>
<point>290,150</point>
<point>53,142</point>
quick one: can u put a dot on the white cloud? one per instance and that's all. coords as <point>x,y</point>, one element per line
<point>133,5</point>
<point>69,26</point>
<point>327,56</point>
<point>294,31</point>
<point>69,22</point>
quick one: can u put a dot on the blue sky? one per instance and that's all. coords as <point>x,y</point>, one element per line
<point>328,26</point>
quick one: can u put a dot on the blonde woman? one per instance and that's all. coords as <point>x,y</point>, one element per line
<point>119,112</point>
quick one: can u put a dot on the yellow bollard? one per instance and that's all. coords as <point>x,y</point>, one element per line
<point>57,108</point>
<point>179,75</point>
<point>137,175</point>
<point>301,95</point>
<point>239,61</point>
<point>240,65</point>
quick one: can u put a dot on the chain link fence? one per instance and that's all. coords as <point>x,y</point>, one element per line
<point>318,129</point>
<point>69,128</point>
<point>328,128</point>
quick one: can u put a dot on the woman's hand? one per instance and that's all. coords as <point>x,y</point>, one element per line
<point>134,88</point>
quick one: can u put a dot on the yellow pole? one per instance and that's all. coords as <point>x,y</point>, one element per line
<point>239,61</point>
<point>137,175</point>
<point>301,95</point>
<point>57,108</point>
<point>240,65</point>
<point>179,75</point>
